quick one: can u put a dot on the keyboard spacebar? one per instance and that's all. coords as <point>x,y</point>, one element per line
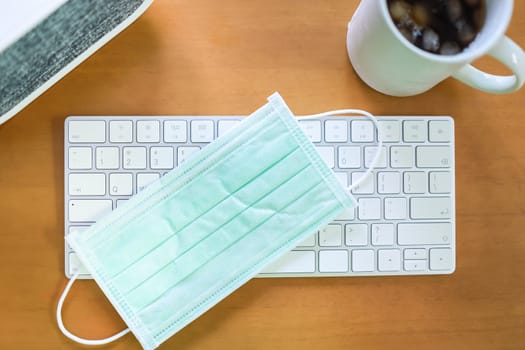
<point>296,261</point>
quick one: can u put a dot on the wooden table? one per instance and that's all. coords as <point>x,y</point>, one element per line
<point>226,57</point>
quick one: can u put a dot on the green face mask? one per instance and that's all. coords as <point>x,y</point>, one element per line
<point>207,227</point>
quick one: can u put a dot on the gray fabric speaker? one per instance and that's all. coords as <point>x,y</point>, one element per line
<point>57,45</point>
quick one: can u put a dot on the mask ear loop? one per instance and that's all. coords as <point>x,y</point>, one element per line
<point>370,116</point>
<point>71,335</point>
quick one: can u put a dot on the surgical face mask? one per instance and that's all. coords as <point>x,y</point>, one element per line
<point>207,227</point>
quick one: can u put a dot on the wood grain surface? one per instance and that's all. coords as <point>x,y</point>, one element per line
<point>225,57</point>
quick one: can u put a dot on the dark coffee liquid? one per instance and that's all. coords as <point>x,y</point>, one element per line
<point>444,27</point>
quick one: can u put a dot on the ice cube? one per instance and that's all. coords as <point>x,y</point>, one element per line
<point>430,40</point>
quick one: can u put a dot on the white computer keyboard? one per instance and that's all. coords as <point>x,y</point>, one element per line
<point>404,224</point>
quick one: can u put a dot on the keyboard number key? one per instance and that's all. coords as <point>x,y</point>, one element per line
<point>134,157</point>
<point>162,158</point>
<point>184,153</point>
<point>107,157</point>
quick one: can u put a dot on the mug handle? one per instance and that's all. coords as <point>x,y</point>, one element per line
<point>507,52</point>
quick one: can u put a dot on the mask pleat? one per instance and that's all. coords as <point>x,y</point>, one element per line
<point>187,237</point>
<point>193,200</point>
<point>229,263</point>
<point>241,224</point>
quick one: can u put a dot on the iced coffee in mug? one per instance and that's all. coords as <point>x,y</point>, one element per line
<point>405,47</point>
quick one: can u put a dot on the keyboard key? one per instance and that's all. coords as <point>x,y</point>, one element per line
<point>77,229</point>
<point>370,153</point>
<point>327,153</point>
<point>365,187</point>
<point>107,158</point>
<point>333,261</point>
<point>388,182</point>
<point>369,209</point>
<point>88,210</point>
<point>390,130</point>
<point>440,182</point>
<point>296,261</point>
<point>441,259</point>
<point>414,182</point>
<point>175,131</point>
<point>87,184</point>
<point>415,254</point>
<point>331,236</point>
<point>346,215</point>
<point>312,129</point>
<point>336,131</point>
<point>356,234</point>
<point>148,131</point>
<point>343,178</point>
<point>75,266</point>
<point>120,131</point>
<point>134,157</point>
<point>433,157</point>
<point>395,208</point>
<point>362,131</point>
<point>424,233</point>
<point>415,265</point>
<point>363,260</point>
<point>185,153</point>
<point>414,131</point>
<point>87,131</point>
<point>161,158</point>
<point>439,131</point>
<point>430,208</point>
<point>382,234</point>
<point>226,125</point>
<point>79,158</point>
<point>202,130</point>
<point>349,157</point>
<point>121,202</point>
<point>309,241</point>
<point>389,260</point>
<point>144,179</point>
<point>401,157</point>
<point>121,184</point>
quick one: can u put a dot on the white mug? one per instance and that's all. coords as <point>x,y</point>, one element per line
<point>385,60</point>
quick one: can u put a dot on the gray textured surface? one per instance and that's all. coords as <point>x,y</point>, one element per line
<point>63,36</point>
